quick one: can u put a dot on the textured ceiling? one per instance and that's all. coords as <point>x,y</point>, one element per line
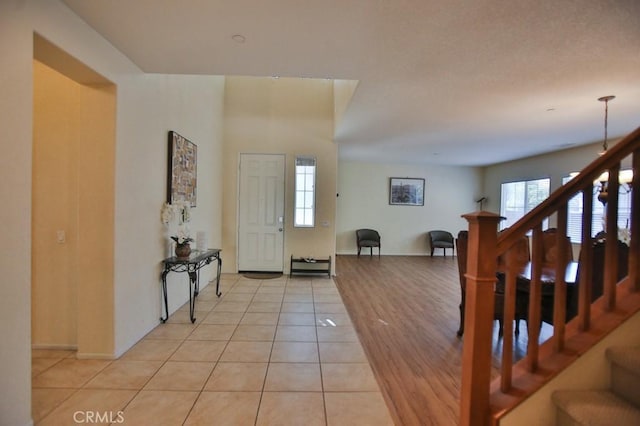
<point>455,82</point>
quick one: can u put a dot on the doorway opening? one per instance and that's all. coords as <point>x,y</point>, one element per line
<point>73,193</point>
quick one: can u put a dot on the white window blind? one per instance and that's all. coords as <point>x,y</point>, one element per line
<point>519,198</point>
<point>574,218</point>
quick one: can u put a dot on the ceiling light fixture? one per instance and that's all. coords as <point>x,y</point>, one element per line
<point>602,182</point>
<point>606,100</point>
<point>238,38</point>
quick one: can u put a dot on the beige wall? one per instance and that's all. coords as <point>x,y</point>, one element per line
<point>73,192</point>
<point>281,116</point>
<point>55,208</point>
<point>96,133</point>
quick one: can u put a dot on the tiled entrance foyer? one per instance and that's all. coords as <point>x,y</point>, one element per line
<point>268,352</point>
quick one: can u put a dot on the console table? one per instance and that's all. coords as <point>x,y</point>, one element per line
<point>191,265</point>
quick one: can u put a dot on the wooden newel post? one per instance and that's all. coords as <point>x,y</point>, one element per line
<point>478,320</point>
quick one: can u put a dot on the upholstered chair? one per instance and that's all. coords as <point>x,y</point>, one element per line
<point>368,238</point>
<point>441,239</point>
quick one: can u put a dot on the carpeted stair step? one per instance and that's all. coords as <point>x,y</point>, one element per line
<point>625,372</point>
<point>594,408</point>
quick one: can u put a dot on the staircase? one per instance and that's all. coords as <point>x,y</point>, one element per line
<point>486,402</point>
<point>619,405</point>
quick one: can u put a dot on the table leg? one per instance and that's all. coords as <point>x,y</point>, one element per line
<point>218,293</point>
<point>164,296</point>
<point>193,280</point>
<point>197,290</point>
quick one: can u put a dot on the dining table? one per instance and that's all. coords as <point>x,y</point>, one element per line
<point>547,282</point>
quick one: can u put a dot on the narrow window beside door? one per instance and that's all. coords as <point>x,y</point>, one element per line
<point>305,196</point>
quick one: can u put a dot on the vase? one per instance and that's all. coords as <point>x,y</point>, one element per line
<point>183,250</point>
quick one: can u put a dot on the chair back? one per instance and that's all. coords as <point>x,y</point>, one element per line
<point>461,248</point>
<point>444,236</point>
<point>549,249</point>
<point>368,235</point>
<point>597,267</point>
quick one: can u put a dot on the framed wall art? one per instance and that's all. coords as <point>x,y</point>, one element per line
<point>182,170</point>
<point>406,191</point>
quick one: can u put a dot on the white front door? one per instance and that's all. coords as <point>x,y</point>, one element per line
<point>261,213</point>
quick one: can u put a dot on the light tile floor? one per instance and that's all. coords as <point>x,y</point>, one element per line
<point>268,352</point>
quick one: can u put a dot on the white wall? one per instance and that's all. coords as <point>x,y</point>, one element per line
<point>363,202</point>
<point>148,106</point>
<point>153,105</point>
<point>15,186</point>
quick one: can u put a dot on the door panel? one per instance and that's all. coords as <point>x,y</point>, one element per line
<point>261,209</point>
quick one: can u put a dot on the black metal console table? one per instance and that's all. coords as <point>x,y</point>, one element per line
<point>192,266</point>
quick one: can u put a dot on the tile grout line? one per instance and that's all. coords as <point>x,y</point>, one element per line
<point>195,401</point>
<point>324,400</point>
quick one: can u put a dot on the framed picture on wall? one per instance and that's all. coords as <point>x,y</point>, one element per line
<point>406,191</point>
<point>182,170</point>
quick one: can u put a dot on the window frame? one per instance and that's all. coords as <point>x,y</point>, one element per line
<point>304,209</point>
<point>526,207</point>
<point>574,212</point>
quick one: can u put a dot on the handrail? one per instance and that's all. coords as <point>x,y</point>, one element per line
<point>625,147</point>
<point>482,403</point>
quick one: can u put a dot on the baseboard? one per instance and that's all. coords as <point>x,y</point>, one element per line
<point>56,347</point>
<point>386,254</point>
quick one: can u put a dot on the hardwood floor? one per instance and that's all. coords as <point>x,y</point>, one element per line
<point>405,310</point>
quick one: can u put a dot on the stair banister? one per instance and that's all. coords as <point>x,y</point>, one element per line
<point>562,195</point>
<point>611,243</point>
<point>560,288</point>
<point>634,245</point>
<point>479,304</point>
<point>481,402</point>
<point>584,289</point>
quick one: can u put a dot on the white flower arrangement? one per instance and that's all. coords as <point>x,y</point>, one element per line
<point>183,236</point>
<point>180,210</point>
<point>624,235</point>
<point>167,214</point>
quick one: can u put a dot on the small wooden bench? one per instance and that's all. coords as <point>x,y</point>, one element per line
<point>310,266</point>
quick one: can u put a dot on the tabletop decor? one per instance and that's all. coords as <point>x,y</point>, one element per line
<point>175,218</point>
<point>183,246</point>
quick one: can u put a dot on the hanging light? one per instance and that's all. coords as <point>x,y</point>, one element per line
<point>625,177</point>
<point>605,99</point>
